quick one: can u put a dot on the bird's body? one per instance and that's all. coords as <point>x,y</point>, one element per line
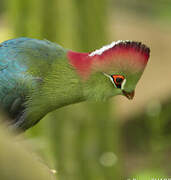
<point>38,76</point>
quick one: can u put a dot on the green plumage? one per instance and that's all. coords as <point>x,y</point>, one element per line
<point>36,77</point>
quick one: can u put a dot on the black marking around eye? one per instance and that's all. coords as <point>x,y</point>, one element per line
<point>119,80</point>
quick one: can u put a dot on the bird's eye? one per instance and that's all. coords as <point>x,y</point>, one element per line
<point>118,79</point>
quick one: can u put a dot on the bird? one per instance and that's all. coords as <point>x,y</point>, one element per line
<point>39,76</point>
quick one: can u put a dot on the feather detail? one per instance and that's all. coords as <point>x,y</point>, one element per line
<point>123,45</point>
<point>130,50</point>
<point>120,54</point>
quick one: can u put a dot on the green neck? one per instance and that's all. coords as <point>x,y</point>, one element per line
<point>61,86</point>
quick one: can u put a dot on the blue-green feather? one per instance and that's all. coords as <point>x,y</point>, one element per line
<point>23,63</point>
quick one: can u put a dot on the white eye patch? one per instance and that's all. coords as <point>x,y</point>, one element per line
<point>123,84</point>
<point>109,78</point>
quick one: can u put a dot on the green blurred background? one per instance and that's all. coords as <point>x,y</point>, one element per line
<point>119,139</point>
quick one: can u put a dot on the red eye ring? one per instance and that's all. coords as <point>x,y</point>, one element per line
<point>118,79</point>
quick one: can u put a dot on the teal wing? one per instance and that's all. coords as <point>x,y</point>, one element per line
<point>23,63</point>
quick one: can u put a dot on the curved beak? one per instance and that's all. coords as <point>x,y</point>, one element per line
<point>129,95</point>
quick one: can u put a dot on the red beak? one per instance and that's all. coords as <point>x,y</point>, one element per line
<point>129,95</point>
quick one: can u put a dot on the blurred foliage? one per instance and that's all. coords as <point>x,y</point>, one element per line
<point>153,9</point>
<point>148,134</point>
<point>19,163</point>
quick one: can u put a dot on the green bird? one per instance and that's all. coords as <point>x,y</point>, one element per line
<point>39,76</point>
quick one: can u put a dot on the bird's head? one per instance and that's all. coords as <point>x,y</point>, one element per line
<point>112,70</point>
